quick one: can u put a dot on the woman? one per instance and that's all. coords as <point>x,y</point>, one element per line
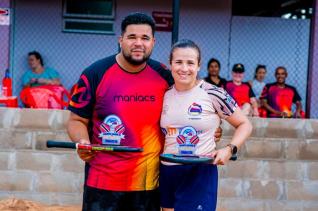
<point>258,83</point>
<point>191,111</point>
<point>38,74</point>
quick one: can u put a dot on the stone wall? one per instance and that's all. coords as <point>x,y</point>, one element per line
<point>277,168</point>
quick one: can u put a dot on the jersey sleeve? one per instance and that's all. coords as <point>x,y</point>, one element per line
<point>251,92</point>
<point>296,96</point>
<point>162,70</point>
<point>264,94</point>
<point>83,96</point>
<point>222,102</point>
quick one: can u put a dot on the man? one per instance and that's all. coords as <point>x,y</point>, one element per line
<point>242,92</point>
<point>278,97</point>
<point>213,77</point>
<point>125,91</point>
<point>38,74</point>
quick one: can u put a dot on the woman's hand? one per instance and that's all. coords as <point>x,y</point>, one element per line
<point>222,156</point>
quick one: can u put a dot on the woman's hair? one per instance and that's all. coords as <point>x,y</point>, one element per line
<point>184,43</point>
<point>214,60</point>
<point>260,66</point>
<point>37,55</point>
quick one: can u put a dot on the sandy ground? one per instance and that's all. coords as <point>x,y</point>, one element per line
<point>21,205</point>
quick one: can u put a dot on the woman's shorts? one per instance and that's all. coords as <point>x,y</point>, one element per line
<point>188,187</point>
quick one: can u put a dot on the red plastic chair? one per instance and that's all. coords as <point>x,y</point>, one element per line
<point>47,96</point>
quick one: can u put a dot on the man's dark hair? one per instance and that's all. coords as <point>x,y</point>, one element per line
<point>258,67</point>
<point>137,18</point>
<point>280,67</point>
<point>184,43</point>
<point>37,55</point>
<point>214,60</point>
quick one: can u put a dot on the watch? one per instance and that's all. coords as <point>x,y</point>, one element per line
<point>233,148</point>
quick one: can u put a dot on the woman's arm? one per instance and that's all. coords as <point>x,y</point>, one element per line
<point>243,130</point>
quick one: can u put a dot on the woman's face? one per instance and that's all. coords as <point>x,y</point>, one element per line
<point>184,67</point>
<point>33,62</point>
<point>237,77</point>
<point>260,75</point>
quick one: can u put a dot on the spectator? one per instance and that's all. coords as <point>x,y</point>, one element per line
<point>258,83</point>
<point>278,97</point>
<point>38,74</point>
<point>242,91</point>
<point>213,77</point>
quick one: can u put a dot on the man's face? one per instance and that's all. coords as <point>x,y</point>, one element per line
<point>33,62</point>
<point>214,69</point>
<point>137,43</point>
<point>281,76</point>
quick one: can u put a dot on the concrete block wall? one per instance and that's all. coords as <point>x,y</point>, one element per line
<point>277,168</point>
<point>28,169</point>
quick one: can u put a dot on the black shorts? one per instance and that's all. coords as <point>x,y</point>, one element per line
<point>104,200</point>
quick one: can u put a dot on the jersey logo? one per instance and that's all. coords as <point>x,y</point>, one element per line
<point>83,92</point>
<point>195,109</point>
<point>112,130</point>
<point>187,140</point>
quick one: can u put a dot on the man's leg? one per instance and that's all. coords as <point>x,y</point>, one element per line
<point>140,201</point>
<point>101,200</point>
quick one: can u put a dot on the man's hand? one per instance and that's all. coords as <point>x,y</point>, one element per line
<point>218,134</point>
<point>284,114</point>
<point>85,155</point>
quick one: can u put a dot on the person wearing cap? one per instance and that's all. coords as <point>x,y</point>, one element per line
<point>242,91</point>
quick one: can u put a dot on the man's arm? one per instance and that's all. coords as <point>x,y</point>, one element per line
<point>77,129</point>
<point>270,109</point>
<point>298,109</point>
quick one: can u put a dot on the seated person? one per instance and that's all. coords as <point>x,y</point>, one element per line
<point>38,74</point>
<point>258,85</point>
<point>278,97</point>
<point>242,91</point>
<point>213,77</point>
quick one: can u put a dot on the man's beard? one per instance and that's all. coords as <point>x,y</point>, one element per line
<point>132,61</point>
